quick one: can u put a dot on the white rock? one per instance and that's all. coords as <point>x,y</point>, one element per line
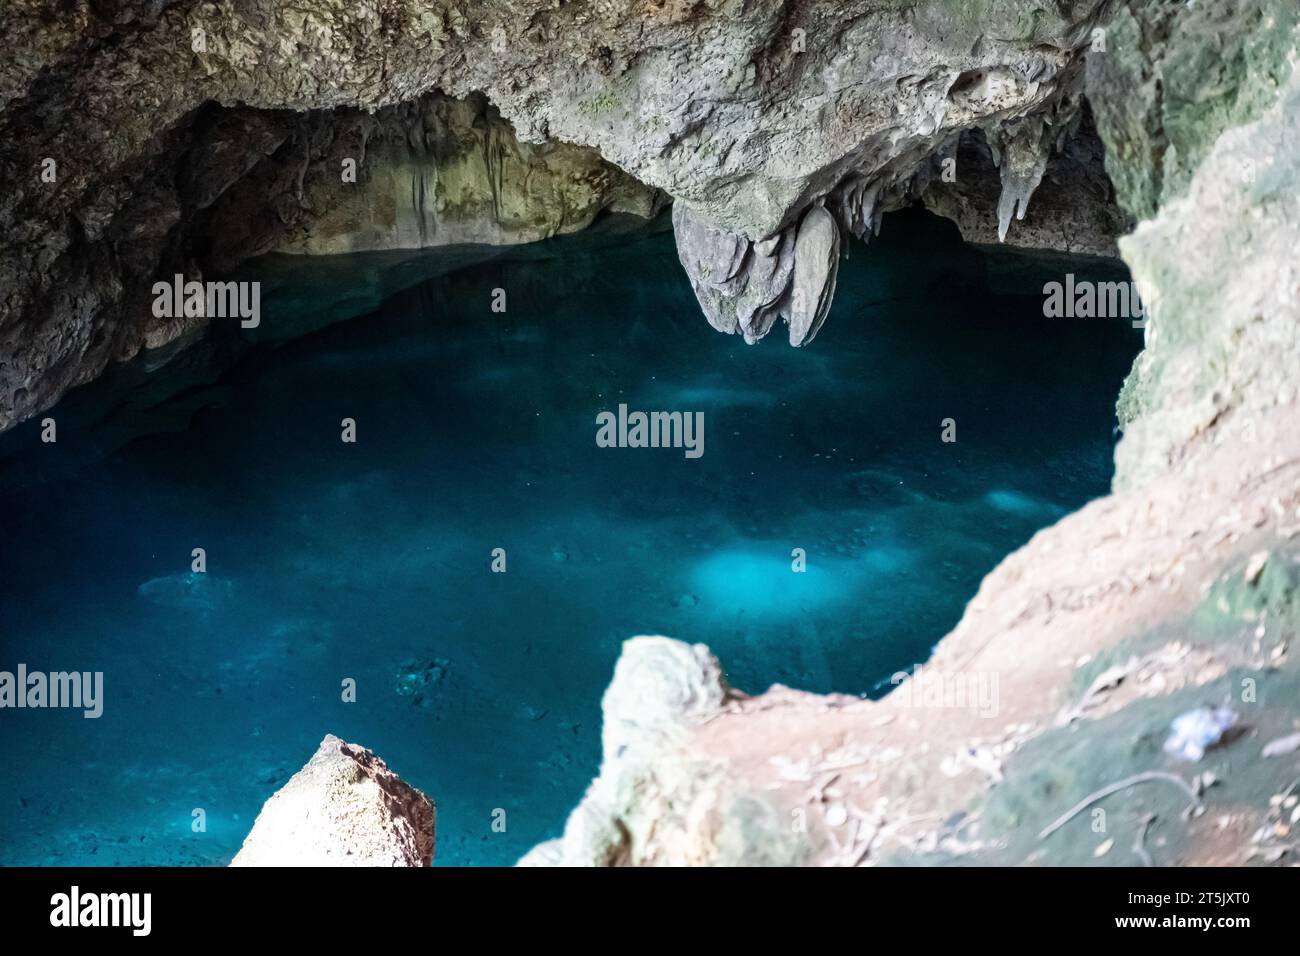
<point>344,808</point>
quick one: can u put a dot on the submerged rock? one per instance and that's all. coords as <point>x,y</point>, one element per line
<point>417,678</point>
<point>190,590</point>
<point>344,808</point>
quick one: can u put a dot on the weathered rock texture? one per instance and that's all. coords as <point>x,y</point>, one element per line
<point>227,184</point>
<point>750,114</point>
<point>1217,266</point>
<point>1174,77</point>
<point>1073,210</point>
<point>434,172</point>
<point>344,808</point>
<point>756,257</point>
<point>661,687</point>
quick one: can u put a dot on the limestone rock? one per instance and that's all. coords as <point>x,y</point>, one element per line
<point>713,259</point>
<point>816,263</point>
<point>550,853</point>
<point>770,271</point>
<point>442,171</point>
<point>1215,260</point>
<point>745,287</point>
<point>1073,210</point>
<point>344,808</point>
<point>1022,160</point>
<point>661,687</point>
<point>1161,105</point>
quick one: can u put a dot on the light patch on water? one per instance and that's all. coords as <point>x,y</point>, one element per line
<point>1022,505</point>
<point>712,396</point>
<point>885,560</point>
<point>762,583</point>
<point>758,579</point>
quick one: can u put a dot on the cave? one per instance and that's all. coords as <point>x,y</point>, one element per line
<point>324,332</point>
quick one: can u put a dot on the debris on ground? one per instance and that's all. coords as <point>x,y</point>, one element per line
<point>1198,730</point>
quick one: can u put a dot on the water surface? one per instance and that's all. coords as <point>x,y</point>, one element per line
<point>476,430</point>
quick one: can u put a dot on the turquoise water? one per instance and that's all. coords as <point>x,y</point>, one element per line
<point>476,430</point>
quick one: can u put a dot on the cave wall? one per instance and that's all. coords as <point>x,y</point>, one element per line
<point>1197,108</point>
<point>1074,209</point>
<point>433,172</point>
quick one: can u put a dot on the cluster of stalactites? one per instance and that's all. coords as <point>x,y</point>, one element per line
<point>1021,151</point>
<point>744,286</point>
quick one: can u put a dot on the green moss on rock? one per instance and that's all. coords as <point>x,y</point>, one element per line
<point>1173,76</point>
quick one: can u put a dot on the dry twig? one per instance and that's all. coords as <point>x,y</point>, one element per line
<point>1149,776</point>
